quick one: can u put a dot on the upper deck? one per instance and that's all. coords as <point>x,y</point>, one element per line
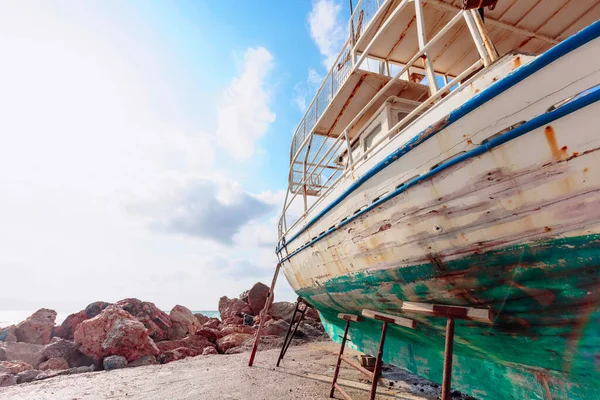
<point>417,50</point>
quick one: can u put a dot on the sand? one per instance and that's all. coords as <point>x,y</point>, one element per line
<point>305,373</point>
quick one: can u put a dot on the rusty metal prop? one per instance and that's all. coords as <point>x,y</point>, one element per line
<point>286,343</point>
<point>447,378</point>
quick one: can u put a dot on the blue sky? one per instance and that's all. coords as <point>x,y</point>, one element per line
<point>145,144</point>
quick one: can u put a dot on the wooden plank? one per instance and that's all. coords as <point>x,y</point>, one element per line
<point>392,319</point>
<point>349,317</point>
<point>342,392</point>
<point>442,310</point>
<point>357,366</point>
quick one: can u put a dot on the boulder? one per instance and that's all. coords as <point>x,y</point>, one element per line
<point>72,321</point>
<point>114,332</point>
<point>183,323</point>
<point>229,329</point>
<point>14,367</point>
<point>156,321</point>
<point>282,310</point>
<point>209,350</point>
<point>308,331</point>
<point>213,323</point>
<point>257,297</point>
<point>244,296</point>
<point>55,364</point>
<point>37,328</point>
<point>233,340</point>
<point>114,362</point>
<point>313,314</point>
<point>232,308</point>
<point>196,342</point>
<point>28,376</point>
<point>233,321</point>
<point>276,327</point>
<point>8,334</point>
<point>27,352</point>
<point>211,334</point>
<point>143,361</point>
<point>70,371</point>
<point>177,354</point>
<point>7,379</point>
<point>202,319</point>
<point>58,332</point>
<point>61,348</point>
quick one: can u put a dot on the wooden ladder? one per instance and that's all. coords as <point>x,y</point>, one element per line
<point>376,374</point>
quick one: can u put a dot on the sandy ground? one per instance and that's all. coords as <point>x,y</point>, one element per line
<point>305,373</point>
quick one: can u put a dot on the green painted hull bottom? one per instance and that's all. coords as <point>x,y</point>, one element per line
<point>545,340</point>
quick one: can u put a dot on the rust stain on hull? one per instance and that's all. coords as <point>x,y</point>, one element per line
<point>557,154</point>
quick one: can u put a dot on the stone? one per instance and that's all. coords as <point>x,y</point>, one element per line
<point>177,354</point>
<point>56,364</point>
<point>7,379</point>
<point>244,296</point>
<point>72,321</point>
<point>114,362</point>
<point>233,340</point>
<point>183,323</point>
<point>37,328</point>
<point>114,332</point>
<point>202,319</point>
<point>14,367</point>
<point>70,371</point>
<point>282,310</point>
<point>28,376</point>
<point>209,351</point>
<point>231,308</point>
<point>309,331</point>
<point>313,314</point>
<point>233,321</point>
<point>276,327</point>
<point>26,352</point>
<point>156,321</point>
<point>229,329</point>
<point>196,342</point>
<point>58,332</point>
<point>257,297</point>
<point>8,334</point>
<point>211,334</point>
<point>143,361</point>
<point>61,348</point>
<point>213,323</point>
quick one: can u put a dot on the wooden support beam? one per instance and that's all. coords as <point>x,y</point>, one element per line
<point>349,317</point>
<point>392,319</point>
<point>440,310</point>
<point>357,366</point>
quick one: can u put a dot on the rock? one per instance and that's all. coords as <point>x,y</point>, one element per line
<point>8,334</point>
<point>257,319</point>
<point>70,371</point>
<point>183,323</point>
<point>27,352</point>
<point>196,342</point>
<point>72,321</point>
<point>211,334</point>
<point>209,350</point>
<point>143,361</point>
<point>7,379</point>
<point>68,350</point>
<point>58,332</point>
<point>156,321</point>
<point>233,340</point>
<point>57,364</point>
<point>114,332</point>
<point>37,327</point>
<point>244,296</point>
<point>282,310</point>
<point>177,354</point>
<point>257,297</point>
<point>233,321</point>
<point>114,362</point>
<point>309,331</point>
<point>202,319</point>
<point>213,323</point>
<point>276,327</point>
<point>229,329</point>
<point>14,367</point>
<point>232,308</point>
<point>28,376</point>
<point>313,314</point>
<point>2,354</point>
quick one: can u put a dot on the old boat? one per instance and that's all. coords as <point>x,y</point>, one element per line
<point>450,157</point>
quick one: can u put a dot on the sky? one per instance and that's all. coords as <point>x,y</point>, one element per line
<point>144,146</point>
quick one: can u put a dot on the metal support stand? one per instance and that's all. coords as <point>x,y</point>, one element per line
<point>301,307</point>
<point>448,359</point>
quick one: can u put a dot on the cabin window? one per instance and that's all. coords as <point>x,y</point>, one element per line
<point>370,138</point>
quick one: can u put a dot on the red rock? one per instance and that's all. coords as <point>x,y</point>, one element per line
<point>313,314</point>
<point>230,308</point>
<point>7,379</point>
<point>54,364</point>
<point>244,296</point>
<point>196,342</point>
<point>37,327</point>
<point>282,310</point>
<point>72,321</point>
<point>233,340</point>
<point>58,332</point>
<point>233,321</point>
<point>209,350</point>
<point>257,319</point>
<point>8,334</point>
<point>183,323</point>
<point>156,321</point>
<point>257,296</point>
<point>229,329</point>
<point>61,348</point>
<point>143,361</point>
<point>211,334</point>
<point>276,328</point>
<point>27,352</point>
<point>177,354</point>
<point>14,367</point>
<point>213,323</point>
<point>95,308</point>
<point>202,319</point>
<point>114,332</point>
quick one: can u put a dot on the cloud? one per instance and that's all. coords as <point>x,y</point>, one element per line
<point>327,29</point>
<point>203,208</point>
<point>244,115</point>
<point>303,90</point>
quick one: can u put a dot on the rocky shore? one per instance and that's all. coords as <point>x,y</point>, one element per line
<point>133,333</point>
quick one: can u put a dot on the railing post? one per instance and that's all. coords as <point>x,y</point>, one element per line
<point>350,163</point>
<point>477,39</point>
<point>422,38</point>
